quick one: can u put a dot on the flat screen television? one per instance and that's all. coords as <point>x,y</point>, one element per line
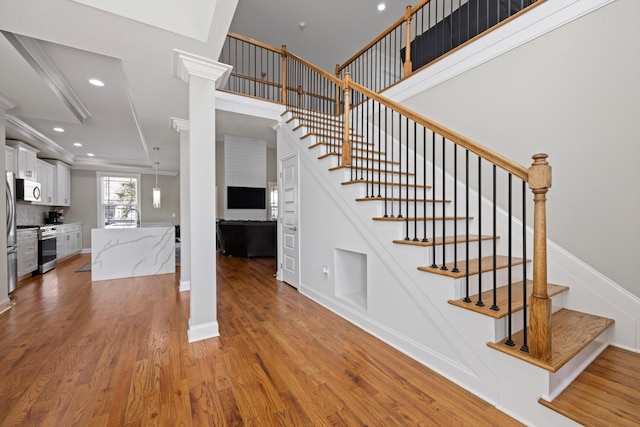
<point>246,197</point>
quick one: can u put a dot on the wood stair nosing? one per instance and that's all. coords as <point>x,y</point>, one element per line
<point>502,299</point>
<point>395,184</point>
<point>316,119</point>
<point>301,112</point>
<point>475,266</point>
<point>390,162</point>
<point>446,240</point>
<point>419,219</point>
<point>572,332</point>
<point>355,139</point>
<point>400,199</point>
<point>338,149</point>
<point>374,170</point>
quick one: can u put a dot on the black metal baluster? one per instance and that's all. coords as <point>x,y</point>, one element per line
<point>424,181</point>
<point>479,303</point>
<point>525,346</point>
<point>444,216</point>
<point>455,209</point>
<point>433,200</point>
<point>406,183</point>
<point>386,156</point>
<point>466,220</point>
<point>415,182</point>
<point>380,150</point>
<point>400,167</point>
<point>494,306</point>
<point>393,157</point>
<point>509,340</point>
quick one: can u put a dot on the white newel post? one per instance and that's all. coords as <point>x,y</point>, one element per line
<point>182,126</point>
<point>203,76</point>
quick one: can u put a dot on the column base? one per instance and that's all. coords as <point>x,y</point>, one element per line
<point>185,285</point>
<point>203,331</point>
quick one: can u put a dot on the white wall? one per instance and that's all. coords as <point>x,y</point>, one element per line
<point>574,94</point>
<point>245,163</point>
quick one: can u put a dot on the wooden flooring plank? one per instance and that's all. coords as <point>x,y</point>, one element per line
<point>116,353</point>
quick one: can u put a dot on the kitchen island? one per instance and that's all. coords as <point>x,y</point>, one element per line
<point>132,251</point>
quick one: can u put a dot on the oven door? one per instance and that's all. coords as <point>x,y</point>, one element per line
<point>46,254</point>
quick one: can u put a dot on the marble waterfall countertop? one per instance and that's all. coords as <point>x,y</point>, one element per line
<point>129,252</point>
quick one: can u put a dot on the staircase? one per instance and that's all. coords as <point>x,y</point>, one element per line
<point>578,338</point>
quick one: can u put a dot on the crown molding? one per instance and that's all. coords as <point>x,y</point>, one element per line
<point>180,124</point>
<point>186,65</point>
<point>5,104</point>
<point>38,138</point>
<point>31,50</point>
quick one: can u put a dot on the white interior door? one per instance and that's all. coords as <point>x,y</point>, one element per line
<point>290,241</point>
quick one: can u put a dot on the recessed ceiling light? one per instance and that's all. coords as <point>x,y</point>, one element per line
<point>77,144</point>
<point>381,7</point>
<point>90,154</point>
<point>58,129</point>
<point>96,82</point>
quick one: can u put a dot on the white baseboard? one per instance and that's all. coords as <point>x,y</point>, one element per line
<point>203,331</point>
<point>185,285</point>
<point>5,305</point>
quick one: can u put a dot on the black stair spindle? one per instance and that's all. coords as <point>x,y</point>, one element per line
<point>455,209</point>
<point>509,340</point>
<point>479,303</point>
<point>386,188</point>
<point>406,183</point>
<point>379,145</point>
<point>444,217</point>
<point>525,345</point>
<point>433,200</point>
<point>392,157</point>
<point>466,220</point>
<point>399,166</point>
<point>424,182</point>
<point>415,182</point>
<point>494,306</point>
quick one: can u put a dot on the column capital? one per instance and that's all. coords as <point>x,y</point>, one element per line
<point>180,124</point>
<point>187,64</point>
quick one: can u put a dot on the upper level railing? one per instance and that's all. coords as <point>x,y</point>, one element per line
<point>426,33</point>
<point>414,165</point>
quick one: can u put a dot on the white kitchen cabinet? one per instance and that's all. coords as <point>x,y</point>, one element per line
<point>46,176</point>
<point>27,251</point>
<point>63,183</point>
<point>26,160</point>
<point>10,159</point>
<point>69,240</point>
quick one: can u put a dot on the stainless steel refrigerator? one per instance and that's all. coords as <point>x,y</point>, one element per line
<point>12,237</point>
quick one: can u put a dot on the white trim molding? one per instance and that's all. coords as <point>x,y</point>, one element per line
<point>187,64</point>
<point>5,104</point>
<point>179,124</point>
<point>203,331</point>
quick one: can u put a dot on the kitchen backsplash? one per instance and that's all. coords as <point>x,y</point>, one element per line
<point>29,214</point>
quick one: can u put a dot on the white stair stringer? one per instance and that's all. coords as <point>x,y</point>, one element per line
<point>475,366</point>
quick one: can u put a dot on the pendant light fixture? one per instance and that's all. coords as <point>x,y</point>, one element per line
<point>156,189</point>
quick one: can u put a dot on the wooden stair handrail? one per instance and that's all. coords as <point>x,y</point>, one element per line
<point>254,42</point>
<point>484,152</point>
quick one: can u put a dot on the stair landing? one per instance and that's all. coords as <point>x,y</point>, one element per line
<point>572,332</point>
<point>607,393</point>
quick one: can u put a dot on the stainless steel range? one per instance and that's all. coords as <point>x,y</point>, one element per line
<point>47,247</point>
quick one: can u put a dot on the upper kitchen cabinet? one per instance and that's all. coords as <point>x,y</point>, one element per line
<point>26,160</point>
<point>10,159</point>
<point>63,183</point>
<point>46,176</point>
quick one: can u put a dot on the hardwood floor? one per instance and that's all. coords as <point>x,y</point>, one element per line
<point>115,353</point>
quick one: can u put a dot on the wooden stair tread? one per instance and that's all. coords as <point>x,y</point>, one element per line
<point>382,160</point>
<point>502,299</point>
<point>338,136</point>
<point>362,181</point>
<point>475,266</point>
<point>399,199</point>
<point>403,173</point>
<point>604,394</point>
<point>447,240</point>
<point>572,331</point>
<point>412,218</point>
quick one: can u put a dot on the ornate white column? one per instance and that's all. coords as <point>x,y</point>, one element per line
<point>203,76</point>
<point>182,126</point>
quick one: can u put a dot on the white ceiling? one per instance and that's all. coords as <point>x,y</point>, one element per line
<point>50,48</point>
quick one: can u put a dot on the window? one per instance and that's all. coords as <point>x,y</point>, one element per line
<point>273,201</point>
<point>118,200</point>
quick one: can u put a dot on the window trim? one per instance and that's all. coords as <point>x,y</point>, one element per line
<point>99,205</point>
